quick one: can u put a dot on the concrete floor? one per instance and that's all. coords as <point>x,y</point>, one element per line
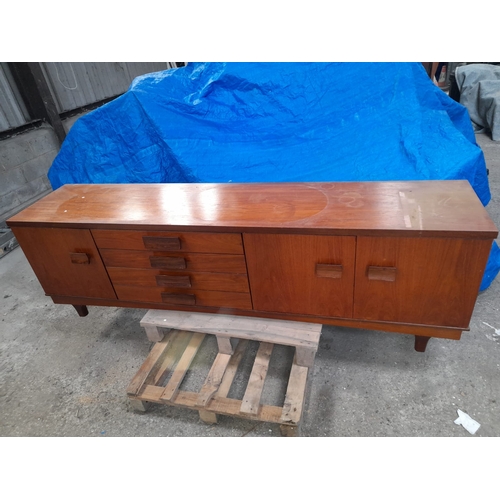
<point>61,375</point>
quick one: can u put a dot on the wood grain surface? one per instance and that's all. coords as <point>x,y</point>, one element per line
<point>436,281</point>
<point>65,260</point>
<point>203,298</point>
<point>169,241</point>
<point>181,279</point>
<point>369,208</point>
<point>213,263</point>
<point>282,273</point>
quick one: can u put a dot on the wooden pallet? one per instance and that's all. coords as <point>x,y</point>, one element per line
<point>160,377</point>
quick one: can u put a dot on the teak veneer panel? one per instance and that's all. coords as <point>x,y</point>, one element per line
<point>433,283</point>
<point>188,242</point>
<point>49,251</point>
<point>181,296</point>
<point>210,263</point>
<point>282,273</point>
<point>188,281</point>
<point>368,208</point>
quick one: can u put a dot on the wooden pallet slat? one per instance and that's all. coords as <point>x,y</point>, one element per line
<point>182,367</point>
<point>227,380</point>
<point>177,343</point>
<point>232,368</point>
<point>294,398</point>
<point>218,405</point>
<point>148,365</point>
<point>214,379</point>
<point>251,399</point>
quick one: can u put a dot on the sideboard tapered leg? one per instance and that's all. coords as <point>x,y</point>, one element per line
<point>421,343</point>
<point>81,310</point>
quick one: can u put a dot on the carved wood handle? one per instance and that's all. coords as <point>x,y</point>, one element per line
<point>174,281</point>
<point>172,263</point>
<point>329,270</point>
<point>185,299</point>
<point>161,243</point>
<point>377,273</point>
<point>79,258</point>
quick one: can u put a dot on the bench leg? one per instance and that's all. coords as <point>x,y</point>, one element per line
<point>138,405</point>
<point>305,356</point>
<point>208,417</point>
<point>289,430</point>
<point>224,344</point>
<point>154,334</point>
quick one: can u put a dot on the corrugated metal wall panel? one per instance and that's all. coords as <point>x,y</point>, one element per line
<point>78,84</point>
<point>13,112</point>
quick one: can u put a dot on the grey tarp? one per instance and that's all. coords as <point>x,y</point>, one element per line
<point>479,86</point>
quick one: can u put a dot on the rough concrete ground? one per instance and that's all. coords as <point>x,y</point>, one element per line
<point>61,375</point>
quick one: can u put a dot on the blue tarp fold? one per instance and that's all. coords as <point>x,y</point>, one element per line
<point>277,122</point>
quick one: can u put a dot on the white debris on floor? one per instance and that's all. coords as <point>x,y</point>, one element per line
<point>497,330</point>
<point>467,422</point>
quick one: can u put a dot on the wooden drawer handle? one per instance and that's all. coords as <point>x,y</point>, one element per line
<point>381,273</point>
<point>329,270</point>
<point>174,281</point>
<point>172,263</point>
<point>79,258</point>
<point>161,243</point>
<point>184,299</point>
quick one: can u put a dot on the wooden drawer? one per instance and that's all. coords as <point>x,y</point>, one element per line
<point>175,261</point>
<point>163,241</point>
<point>176,296</point>
<point>189,281</point>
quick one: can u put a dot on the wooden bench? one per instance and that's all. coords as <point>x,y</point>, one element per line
<point>179,337</point>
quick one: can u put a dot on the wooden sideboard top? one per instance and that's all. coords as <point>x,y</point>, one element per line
<point>438,208</point>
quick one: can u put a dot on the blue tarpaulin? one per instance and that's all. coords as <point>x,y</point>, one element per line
<point>277,122</point>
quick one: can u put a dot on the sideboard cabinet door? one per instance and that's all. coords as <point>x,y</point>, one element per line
<point>65,261</point>
<point>425,281</point>
<point>301,274</point>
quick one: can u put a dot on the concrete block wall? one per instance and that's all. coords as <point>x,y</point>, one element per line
<point>24,162</point>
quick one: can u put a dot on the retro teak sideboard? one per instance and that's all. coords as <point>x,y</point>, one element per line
<point>405,257</point>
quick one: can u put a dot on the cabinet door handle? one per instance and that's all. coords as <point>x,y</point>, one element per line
<point>174,281</point>
<point>161,243</point>
<point>329,270</point>
<point>184,299</point>
<point>79,258</point>
<point>171,263</point>
<point>377,273</point>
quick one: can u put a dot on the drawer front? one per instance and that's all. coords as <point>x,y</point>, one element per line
<point>166,241</point>
<point>176,296</point>
<point>190,281</point>
<point>175,261</point>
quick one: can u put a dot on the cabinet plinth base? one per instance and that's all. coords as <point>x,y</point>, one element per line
<point>453,333</point>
